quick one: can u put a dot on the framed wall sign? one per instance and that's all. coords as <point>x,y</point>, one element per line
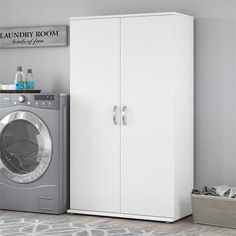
<point>39,36</point>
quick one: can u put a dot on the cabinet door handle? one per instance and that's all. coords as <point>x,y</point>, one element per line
<point>124,109</point>
<point>115,108</point>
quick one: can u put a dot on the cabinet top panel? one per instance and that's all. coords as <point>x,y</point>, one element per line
<point>131,15</point>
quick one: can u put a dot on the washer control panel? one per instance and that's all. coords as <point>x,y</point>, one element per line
<point>49,97</point>
<point>44,100</point>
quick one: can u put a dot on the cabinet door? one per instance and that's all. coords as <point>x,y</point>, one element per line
<point>147,85</point>
<point>95,90</point>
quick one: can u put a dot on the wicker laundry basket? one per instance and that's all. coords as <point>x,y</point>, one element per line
<point>217,211</point>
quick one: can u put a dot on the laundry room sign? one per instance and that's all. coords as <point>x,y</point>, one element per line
<point>39,36</point>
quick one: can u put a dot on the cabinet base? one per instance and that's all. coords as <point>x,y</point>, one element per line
<point>120,215</point>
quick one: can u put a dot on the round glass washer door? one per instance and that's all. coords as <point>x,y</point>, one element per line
<point>25,147</point>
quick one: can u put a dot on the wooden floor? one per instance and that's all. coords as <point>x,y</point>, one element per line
<point>182,226</point>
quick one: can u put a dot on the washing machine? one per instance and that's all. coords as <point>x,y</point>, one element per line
<point>34,152</point>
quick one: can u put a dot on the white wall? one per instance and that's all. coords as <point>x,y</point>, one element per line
<point>215,66</point>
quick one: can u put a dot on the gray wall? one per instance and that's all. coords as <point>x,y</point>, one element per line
<point>215,66</point>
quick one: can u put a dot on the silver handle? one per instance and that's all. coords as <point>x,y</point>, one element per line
<point>115,108</point>
<point>124,115</point>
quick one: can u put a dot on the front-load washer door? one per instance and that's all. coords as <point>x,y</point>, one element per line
<point>25,147</point>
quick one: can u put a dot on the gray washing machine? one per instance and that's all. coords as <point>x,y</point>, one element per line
<point>34,152</point>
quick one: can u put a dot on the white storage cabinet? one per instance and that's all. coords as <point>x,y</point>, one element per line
<point>132,116</point>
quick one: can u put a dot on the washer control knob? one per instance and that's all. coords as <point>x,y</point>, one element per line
<point>21,98</point>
